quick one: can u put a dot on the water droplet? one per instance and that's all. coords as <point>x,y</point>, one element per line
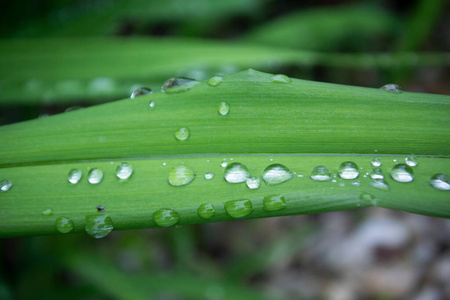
<point>151,104</point>
<point>376,173</point>
<point>253,183</point>
<point>206,211</point>
<point>380,184</point>
<point>341,184</point>
<point>5,185</point>
<point>376,161</point>
<point>274,202</point>
<point>215,80</point>
<point>321,173</point>
<point>236,173</point>
<point>367,197</point>
<point>166,217</point>
<point>178,85</point>
<point>402,173</point>
<point>209,176</point>
<point>98,226</point>
<point>64,225</point>
<point>356,183</point>
<point>47,212</point>
<point>239,208</point>
<point>124,171</point>
<point>141,91</point>
<point>393,88</point>
<point>300,175</point>
<point>224,108</point>
<point>280,78</point>
<point>181,175</point>
<point>224,164</point>
<point>276,174</point>
<point>95,176</point>
<point>100,208</point>
<point>411,161</point>
<point>182,134</point>
<point>348,170</point>
<point>440,181</point>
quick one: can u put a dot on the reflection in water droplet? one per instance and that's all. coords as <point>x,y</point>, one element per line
<point>95,176</point>
<point>182,134</point>
<point>181,175</point>
<point>276,174</point>
<point>402,173</point>
<point>280,78</point>
<point>47,212</point>
<point>321,173</point>
<point>178,85</point>
<point>166,217</point>
<point>236,173</point>
<point>239,208</point>
<point>376,173</point>
<point>209,176</point>
<point>124,171</point>
<point>64,225</point>
<point>141,91</point>
<point>380,184</point>
<point>393,88</point>
<point>206,211</point>
<point>5,185</point>
<point>348,170</point>
<point>224,108</point>
<point>215,80</point>
<point>367,197</point>
<point>440,181</point>
<point>376,161</point>
<point>274,202</point>
<point>253,182</point>
<point>98,226</point>
<point>411,161</point>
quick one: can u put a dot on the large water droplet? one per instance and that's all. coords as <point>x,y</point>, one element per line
<point>411,161</point>
<point>276,174</point>
<point>253,182</point>
<point>141,91</point>
<point>236,173</point>
<point>95,176</point>
<point>5,185</point>
<point>64,225</point>
<point>376,173</point>
<point>166,217</point>
<point>376,161</point>
<point>239,208</point>
<point>380,184</point>
<point>206,211</point>
<point>98,226</point>
<point>280,78</point>
<point>274,202</point>
<point>181,175</point>
<point>124,171</point>
<point>224,108</point>
<point>47,212</point>
<point>402,173</point>
<point>321,173</point>
<point>440,181</point>
<point>348,170</point>
<point>182,134</point>
<point>393,88</point>
<point>178,85</point>
<point>215,80</point>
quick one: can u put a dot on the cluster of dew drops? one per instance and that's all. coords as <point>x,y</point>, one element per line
<point>100,225</point>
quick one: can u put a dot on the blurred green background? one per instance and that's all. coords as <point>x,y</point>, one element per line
<point>55,55</point>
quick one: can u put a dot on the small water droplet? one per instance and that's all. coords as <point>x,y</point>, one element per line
<point>151,104</point>
<point>380,184</point>
<point>182,134</point>
<point>47,212</point>
<point>215,80</point>
<point>376,161</point>
<point>253,183</point>
<point>64,225</point>
<point>124,171</point>
<point>440,181</point>
<point>393,88</point>
<point>348,170</point>
<point>321,173</point>
<point>95,176</point>
<point>224,164</point>
<point>98,226</point>
<point>411,161</point>
<point>274,202</point>
<point>402,173</point>
<point>341,184</point>
<point>239,208</point>
<point>164,164</point>
<point>100,208</point>
<point>367,197</point>
<point>5,185</point>
<point>178,85</point>
<point>224,108</point>
<point>166,217</point>
<point>236,173</point>
<point>181,175</point>
<point>209,176</point>
<point>356,183</point>
<point>376,173</point>
<point>206,211</point>
<point>141,91</point>
<point>276,174</point>
<point>300,175</point>
<point>280,78</point>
